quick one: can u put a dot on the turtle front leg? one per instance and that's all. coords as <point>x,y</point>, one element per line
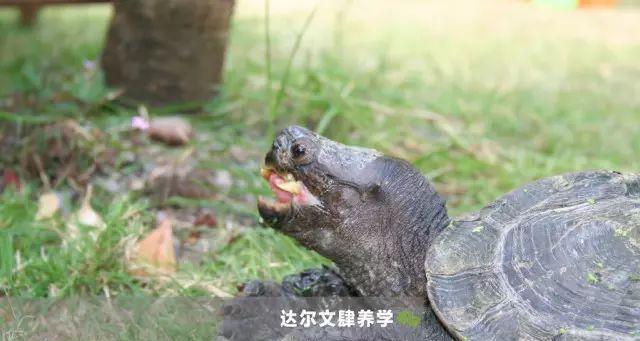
<point>255,303</point>
<point>315,282</point>
<point>252,316</point>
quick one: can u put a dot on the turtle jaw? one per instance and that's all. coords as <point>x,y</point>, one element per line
<point>274,213</point>
<point>291,196</point>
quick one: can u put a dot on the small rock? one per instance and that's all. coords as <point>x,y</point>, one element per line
<point>223,179</point>
<point>173,131</point>
<point>109,184</point>
<point>167,181</point>
<point>136,184</point>
<point>206,219</point>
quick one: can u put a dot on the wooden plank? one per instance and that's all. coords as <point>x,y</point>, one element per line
<point>597,3</point>
<point>47,2</point>
<point>28,14</point>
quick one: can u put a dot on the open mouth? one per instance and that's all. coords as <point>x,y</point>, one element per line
<point>286,188</point>
<point>288,192</point>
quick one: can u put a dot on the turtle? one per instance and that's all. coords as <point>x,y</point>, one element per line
<point>558,258</point>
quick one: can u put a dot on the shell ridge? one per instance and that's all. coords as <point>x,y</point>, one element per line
<point>513,219</point>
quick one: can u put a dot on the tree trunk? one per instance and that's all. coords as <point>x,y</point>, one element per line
<point>163,52</point>
<point>28,14</point>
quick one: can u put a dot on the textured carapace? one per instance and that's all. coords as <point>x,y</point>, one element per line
<point>557,258</point>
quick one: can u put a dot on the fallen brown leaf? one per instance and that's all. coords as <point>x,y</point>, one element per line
<point>154,255</point>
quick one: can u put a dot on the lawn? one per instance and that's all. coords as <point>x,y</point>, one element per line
<point>481,96</point>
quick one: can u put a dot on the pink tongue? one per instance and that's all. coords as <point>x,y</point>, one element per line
<point>281,196</point>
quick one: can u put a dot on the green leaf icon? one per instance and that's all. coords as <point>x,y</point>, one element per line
<point>408,318</point>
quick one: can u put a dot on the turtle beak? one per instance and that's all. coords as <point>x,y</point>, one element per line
<point>269,162</point>
<point>287,191</point>
<point>274,213</point>
<point>291,194</point>
<point>265,172</point>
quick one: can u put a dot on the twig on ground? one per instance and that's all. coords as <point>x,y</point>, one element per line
<point>43,176</point>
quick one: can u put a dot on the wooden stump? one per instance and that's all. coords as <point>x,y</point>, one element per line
<point>163,52</point>
<point>28,14</point>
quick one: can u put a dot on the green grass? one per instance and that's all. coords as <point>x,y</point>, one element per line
<point>480,105</point>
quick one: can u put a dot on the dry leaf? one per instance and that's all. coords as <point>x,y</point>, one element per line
<point>193,237</point>
<point>86,215</point>
<point>154,254</point>
<point>170,130</point>
<point>48,204</point>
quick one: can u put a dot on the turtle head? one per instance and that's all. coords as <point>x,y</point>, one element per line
<point>318,184</point>
<point>352,205</point>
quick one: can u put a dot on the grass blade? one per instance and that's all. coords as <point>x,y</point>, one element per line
<point>285,76</point>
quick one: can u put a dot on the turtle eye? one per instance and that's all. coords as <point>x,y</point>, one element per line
<point>301,152</point>
<point>298,150</point>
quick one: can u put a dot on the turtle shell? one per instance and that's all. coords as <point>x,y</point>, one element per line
<point>558,258</point>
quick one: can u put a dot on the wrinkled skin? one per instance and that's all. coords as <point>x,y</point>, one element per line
<point>322,282</point>
<point>372,215</point>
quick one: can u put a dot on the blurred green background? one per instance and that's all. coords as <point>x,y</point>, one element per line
<point>481,96</point>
